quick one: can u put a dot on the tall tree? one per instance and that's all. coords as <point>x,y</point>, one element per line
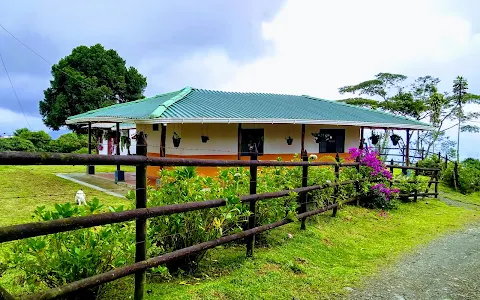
<point>419,100</point>
<point>88,78</point>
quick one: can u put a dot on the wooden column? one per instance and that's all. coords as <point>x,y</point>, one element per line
<point>163,138</point>
<point>239,146</point>
<point>119,174</point>
<point>117,141</point>
<point>90,169</point>
<point>361,138</point>
<point>407,148</point>
<point>303,140</point>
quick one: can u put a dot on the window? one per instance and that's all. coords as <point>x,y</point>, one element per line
<point>250,139</point>
<point>332,141</point>
<point>155,127</point>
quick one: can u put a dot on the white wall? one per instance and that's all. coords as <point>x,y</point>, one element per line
<point>223,138</point>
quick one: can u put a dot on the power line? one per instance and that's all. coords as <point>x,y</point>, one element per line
<point>43,58</point>
<point>14,91</point>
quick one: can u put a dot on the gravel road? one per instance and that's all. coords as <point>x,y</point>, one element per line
<point>448,268</point>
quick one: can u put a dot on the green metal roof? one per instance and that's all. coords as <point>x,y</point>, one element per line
<point>191,105</point>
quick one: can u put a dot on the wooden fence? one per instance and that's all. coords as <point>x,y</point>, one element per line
<point>141,213</point>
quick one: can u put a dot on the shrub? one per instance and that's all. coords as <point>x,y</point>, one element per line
<point>16,144</point>
<point>83,150</point>
<point>56,259</point>
<point>40,139</point>
<point>181,185</point>
<point>432,161</point>
<point>468,176</point>
<point>68,143</point>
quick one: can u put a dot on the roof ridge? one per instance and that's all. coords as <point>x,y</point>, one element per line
<point>165,105</point>
<point>120,104</point>
<point>366,109</point>
<point>249,93</point>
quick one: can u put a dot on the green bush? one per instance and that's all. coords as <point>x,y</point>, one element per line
<point>83,150</point>
<point>16,144</point>
<point>408,185</point>
<point>57,259</point>
<point>468,176</point>
<point>432,161</point>
<point>40,139</point>
<point>182,185</point>
<point>67,143</point>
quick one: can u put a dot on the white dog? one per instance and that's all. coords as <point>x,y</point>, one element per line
<point>80,197</point>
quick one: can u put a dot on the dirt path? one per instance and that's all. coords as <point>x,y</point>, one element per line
<point>448,268</point>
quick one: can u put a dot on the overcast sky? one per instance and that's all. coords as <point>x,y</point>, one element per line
<point>292,46</point>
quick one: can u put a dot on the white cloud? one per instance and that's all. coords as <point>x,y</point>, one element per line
<point>320,46</point>
<point>10,121</point>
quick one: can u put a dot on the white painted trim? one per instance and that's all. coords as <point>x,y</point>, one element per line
<point>251,121</point>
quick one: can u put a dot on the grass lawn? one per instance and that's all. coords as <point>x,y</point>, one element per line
<point>447,192</point>
<point>333,253</point>
<point>23,188</point>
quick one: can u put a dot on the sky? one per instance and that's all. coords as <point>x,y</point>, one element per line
<point>308,47</point>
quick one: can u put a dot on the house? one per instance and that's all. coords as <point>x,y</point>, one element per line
<point>198,123</point>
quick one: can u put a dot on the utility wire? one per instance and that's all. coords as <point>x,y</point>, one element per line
<point>43,58</point>
<point>14,91</point>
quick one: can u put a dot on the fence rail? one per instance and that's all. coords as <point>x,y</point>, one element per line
<point>142,212</point>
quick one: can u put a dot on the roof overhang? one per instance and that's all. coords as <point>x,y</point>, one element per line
<point>252,121</point>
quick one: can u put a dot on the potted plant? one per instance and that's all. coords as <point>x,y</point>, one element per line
<point>375,137</point>
<point>289,140</point>
<point>205,138</point>
<point>176,140</point>
<point>395,139</point>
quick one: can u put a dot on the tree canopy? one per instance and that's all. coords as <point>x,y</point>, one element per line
<point>418,99</point>
<point>89,78</point>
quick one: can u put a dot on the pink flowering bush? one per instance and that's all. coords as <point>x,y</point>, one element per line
<point>373,168</point>
<point>383,196</point>
<point>371,159</point>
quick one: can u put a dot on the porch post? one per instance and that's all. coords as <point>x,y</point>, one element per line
<point>119,174</point>
<point>407,149</point>
<point>361,138</point>
<point>163,137</point>
<point>90,169</point>
<point>239,146</point>
<point>303,140</point>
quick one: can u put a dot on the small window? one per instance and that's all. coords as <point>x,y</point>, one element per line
<point>155,127</point>
<point>332,141</point>
<point>252,138</point>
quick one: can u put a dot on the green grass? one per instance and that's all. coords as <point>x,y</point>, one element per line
<point>23,188</point>
<point>447,192</point>
<point>320,262</point>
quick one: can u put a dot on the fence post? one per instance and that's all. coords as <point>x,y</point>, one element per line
<point>415,195</point>
<point>336,189</point>
<point>416,170</point>
<point>446,160</point>
<point>304,196</point>
<point>357,183</point>
<point>436,183</point>
<point>140,223</point>
<point>455,175</point>
<point>253,190</point>
<point>391,171</point>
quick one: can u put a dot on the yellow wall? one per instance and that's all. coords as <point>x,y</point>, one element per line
<point>223,141</point>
